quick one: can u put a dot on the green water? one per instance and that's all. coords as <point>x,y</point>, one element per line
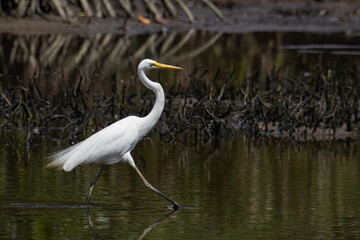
<point>267,190</point>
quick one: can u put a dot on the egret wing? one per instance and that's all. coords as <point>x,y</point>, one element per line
<point>106,146</point>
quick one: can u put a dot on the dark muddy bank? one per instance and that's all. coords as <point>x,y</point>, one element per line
<point>297,16</point>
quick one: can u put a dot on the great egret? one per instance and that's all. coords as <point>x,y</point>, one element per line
<point>115,142</point>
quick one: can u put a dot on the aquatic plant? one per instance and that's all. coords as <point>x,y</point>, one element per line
<point>320,105</point>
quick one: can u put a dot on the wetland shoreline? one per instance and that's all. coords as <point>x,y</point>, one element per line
<point>299,16</point>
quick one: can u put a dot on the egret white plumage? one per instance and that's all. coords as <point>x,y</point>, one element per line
<point>115,142</point>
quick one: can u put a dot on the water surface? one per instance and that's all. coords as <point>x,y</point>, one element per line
<point>269,189</point>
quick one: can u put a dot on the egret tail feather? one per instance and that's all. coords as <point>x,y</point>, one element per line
<point>59,159</point>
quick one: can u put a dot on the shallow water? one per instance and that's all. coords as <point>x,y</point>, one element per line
<point>242,188</point>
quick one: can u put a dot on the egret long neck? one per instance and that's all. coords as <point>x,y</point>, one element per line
<point>151,119</point>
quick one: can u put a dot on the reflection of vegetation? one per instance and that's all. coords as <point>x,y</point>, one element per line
<point>89,55</point>
<point>98,58</point>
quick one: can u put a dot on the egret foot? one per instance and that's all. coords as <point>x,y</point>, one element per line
<point>175,207</point>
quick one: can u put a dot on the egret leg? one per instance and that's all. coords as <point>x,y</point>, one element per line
<point>92,185</point>
<point>147,184</point>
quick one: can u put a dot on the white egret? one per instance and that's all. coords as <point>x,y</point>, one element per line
<point>115,142</point>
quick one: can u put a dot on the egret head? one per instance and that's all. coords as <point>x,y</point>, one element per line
<point>151,64</point>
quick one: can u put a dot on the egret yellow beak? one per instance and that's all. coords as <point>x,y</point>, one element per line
<point>161,65</point>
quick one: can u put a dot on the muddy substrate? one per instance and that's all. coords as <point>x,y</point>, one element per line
<point>297,16</point>
<point>318,105</point>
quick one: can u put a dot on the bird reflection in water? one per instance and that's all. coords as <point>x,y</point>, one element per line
<point>146,230</point>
